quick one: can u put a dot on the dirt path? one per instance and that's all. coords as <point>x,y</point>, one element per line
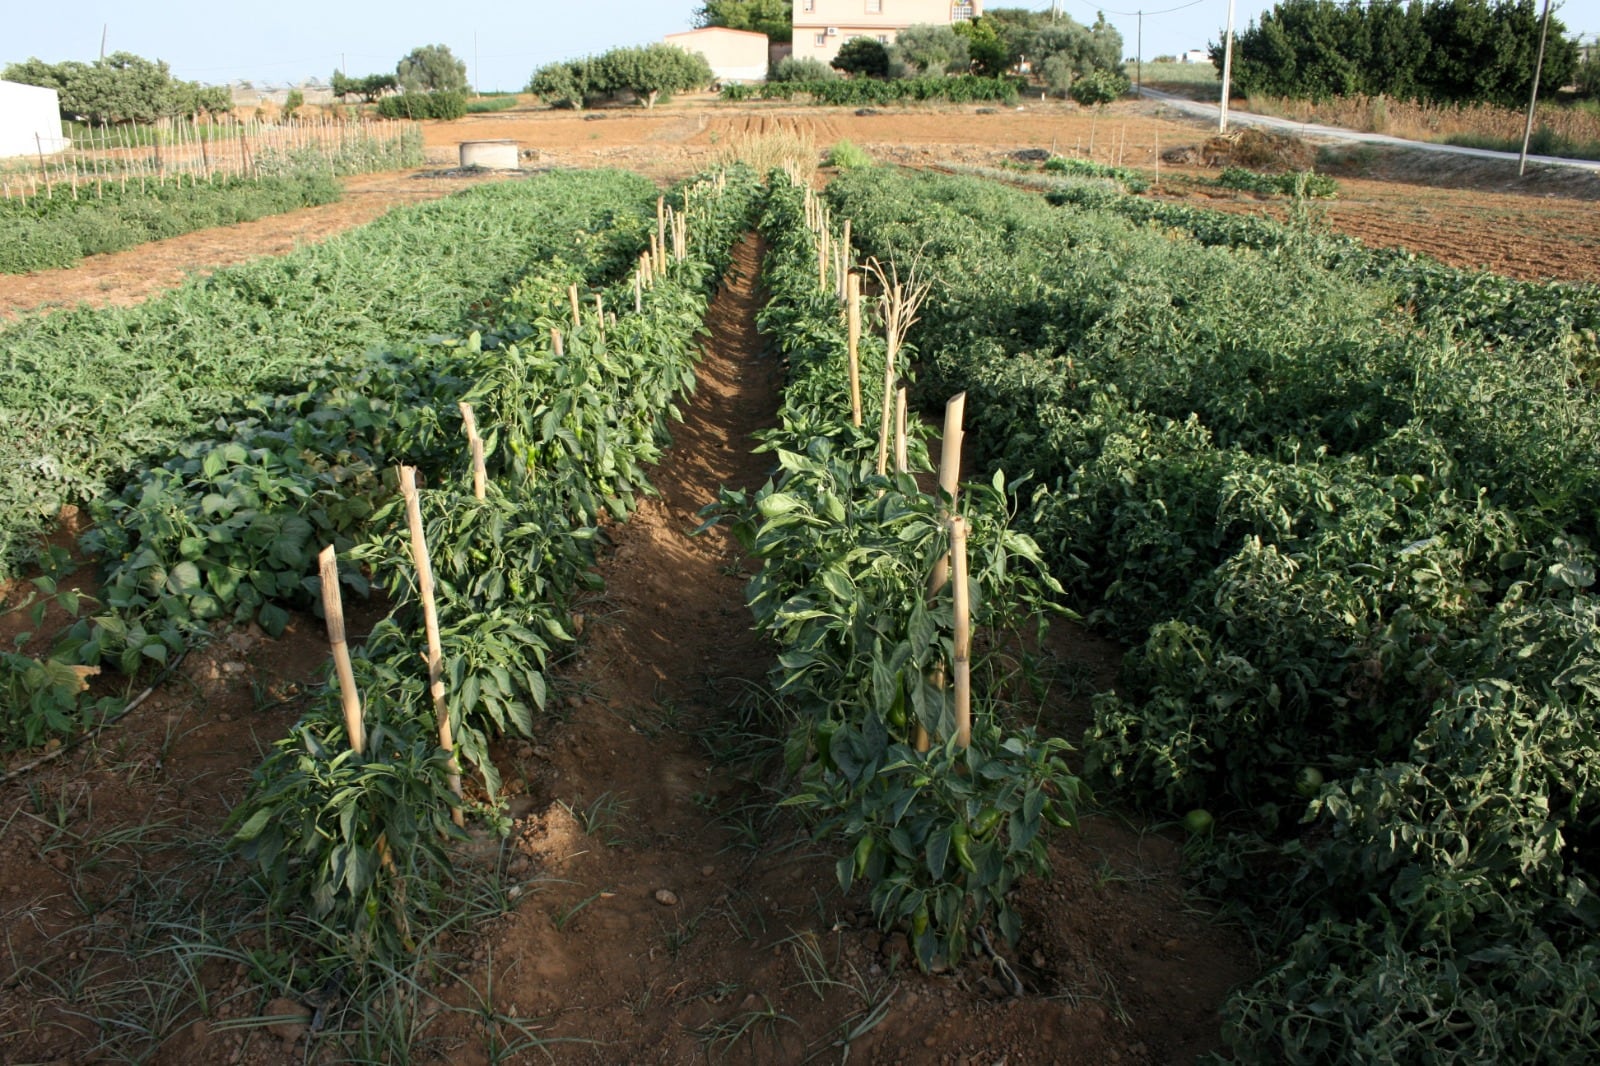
<point>125,278</point>
<point>677,917</point>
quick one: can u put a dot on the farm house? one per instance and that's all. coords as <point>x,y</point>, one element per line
<point>734,55</point>
<point>29,120</point>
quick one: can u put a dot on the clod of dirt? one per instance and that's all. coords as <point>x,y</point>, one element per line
<point>866,112</point>
<point>292,1018</point>
<point>666,897</point>
<point>1248,146</point>
<point>1030,155</point>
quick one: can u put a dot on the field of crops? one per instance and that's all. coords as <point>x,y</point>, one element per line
<point>1342,507</point>
<point>1339,505</point>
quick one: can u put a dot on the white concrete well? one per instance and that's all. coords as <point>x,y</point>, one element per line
<point>491,155</point>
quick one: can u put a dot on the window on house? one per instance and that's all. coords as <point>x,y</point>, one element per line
<point>958,12</point>
<point>822,40</point>
<point>883,38</point>
<point>811,5</point>
<point>874,7</point>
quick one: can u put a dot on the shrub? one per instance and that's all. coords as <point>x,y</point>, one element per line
<point>863,56</point>
<point>791,69</point>
<point>847,155</point>
<point>1098,87</point>
<point>445,105</point>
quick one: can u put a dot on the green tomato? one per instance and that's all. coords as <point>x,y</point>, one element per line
<point>1308,782</point>
<point>1198,821</point>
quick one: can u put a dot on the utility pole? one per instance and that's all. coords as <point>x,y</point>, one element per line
<point>1138,58</point>
<point>105,28</point>
<point>1533,97</point>
<point>1227,71</point>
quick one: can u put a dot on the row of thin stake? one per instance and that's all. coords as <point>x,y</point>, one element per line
<point>899,301</point>
<point>652,265</point>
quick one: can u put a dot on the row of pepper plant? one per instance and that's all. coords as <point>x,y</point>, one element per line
<point>939,836</point>
<point>226,526</point>
<point>89,396</point>
<point>352,848</point>
<point>1342,507</point>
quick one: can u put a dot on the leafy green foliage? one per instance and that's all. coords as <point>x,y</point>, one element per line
<point>1098,87</point>
<point>862,56</point>
<point>1332,497</point>
<point>647,72</point>
<point>939,837</point>
<point>1300,183</point>
<point>370,88</point>
<point>444,105</point>
<point>857,92</point>
<point>45,233</point>
<point>318,819</point>
<point>1439,50</point>
<point>930,49</point>
<point>431,68</point>
<point>806,69</point>
<point>775,18</point>
<point>122,87</point>
<point>1131,180</point>
<point>88,395</point>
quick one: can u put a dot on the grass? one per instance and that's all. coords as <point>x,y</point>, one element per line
<point>847,155</point>
<point>1560,129</point>
<point>492,103</point>
<point>168,935</point>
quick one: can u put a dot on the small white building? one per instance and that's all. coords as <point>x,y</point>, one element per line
<point>30,120</point>
<point>1195,55</point>
<point>734,55</point>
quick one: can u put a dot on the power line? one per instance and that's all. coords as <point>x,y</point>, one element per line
<point>1137,14</point>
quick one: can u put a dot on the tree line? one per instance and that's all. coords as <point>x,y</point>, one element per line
<point>120,88</point>
<point>1441,51</point>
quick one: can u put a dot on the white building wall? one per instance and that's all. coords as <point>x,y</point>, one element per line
<point>30,118</point>
<point>821,27</point>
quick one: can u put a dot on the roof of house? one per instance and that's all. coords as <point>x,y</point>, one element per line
<point>717,29</point>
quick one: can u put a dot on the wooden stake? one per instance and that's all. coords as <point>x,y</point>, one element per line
<point>661,234</point>
<point>901,445</point>
<point>638,293</point>
<point>480,469</point>
<point>600,310</point>
<point>577,312</point>
<point>333,607</point>
<point>949,482</point>
<point>853,302</point>
<point>430,622</point>
<point>963,632</point>
<point>888,404</point>
<point>557,345</point>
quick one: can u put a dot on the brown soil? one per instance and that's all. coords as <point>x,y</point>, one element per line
<point>1461,212</point>
<point>631,792</point>
<point>668,913</point>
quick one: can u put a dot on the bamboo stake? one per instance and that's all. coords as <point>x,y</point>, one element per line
<point>557,344</point>
<point>638,293</point>
<point>430,622</point>
<point>50,194</point>
<point>661,234</point>
<point>333,607</point>
<point>577,312</point>
<point>963,632</point>
<point>901,446</point>
<point>853,302</point>
<point>822,259</point>
<point>480,469</point>
<point>949,484</point>
<point>887,411</point>
<point>600,310</point>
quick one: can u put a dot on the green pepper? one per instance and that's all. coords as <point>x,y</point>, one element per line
<point>987,821</point>
<point>1055,817</point>
<point>825,731</point>
<point>958,841</point>
<point>864,848</point>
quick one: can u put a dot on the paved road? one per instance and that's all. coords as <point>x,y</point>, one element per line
<point>1306,129</point>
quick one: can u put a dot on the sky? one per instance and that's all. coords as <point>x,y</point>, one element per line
<point>501,43</point>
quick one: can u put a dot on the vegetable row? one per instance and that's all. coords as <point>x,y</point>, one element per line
<point>1342,504</point>
<point>939,833</point>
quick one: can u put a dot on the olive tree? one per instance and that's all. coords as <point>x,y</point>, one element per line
<point>652,70</point>
<point>930,49</point>
<point>431,68</point>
